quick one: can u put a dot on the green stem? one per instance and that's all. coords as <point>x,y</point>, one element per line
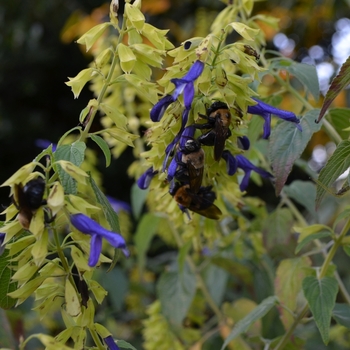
<point>284,340</point>
<point>96,339</point>
<point>200,280</point>
<point>324,268</point>
<point>317,242</point>
<point>329,128</point>
<point>333,250</point>
<point>106,84</point>
<point>62,257</point>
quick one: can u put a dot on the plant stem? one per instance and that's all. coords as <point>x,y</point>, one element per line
<point>62,257</point>
<point>106,83</point>
<point>330,129</point>
<point>96,339</point>
<point>200,280</point>
<point>323,272</point>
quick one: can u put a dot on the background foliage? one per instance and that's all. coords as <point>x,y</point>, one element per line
<point>39,52</point>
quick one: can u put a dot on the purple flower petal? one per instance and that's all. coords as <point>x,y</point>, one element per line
<point>95,250</point>
<point>172,169</point>
<point>88,226</point>
<point>195,71</point>
<point>182,85</point>
<point>244,164</point>
<point>188,95</point>
<point>159,108</point>
<point>119,205</point>
<point>231,162</point>
<point>111,343</point>
<point>145,179</point>
<point>265,110</point>
<point>243,142</point>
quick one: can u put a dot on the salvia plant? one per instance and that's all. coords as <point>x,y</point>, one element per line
<point>204,120</point>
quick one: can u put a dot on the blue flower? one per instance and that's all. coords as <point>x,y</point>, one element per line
<point>244,164</point>
<point>111,343</point>
<point>2,247</point>
<point>90,227</point>
<point>188,133</point>
<point>145,179</point>
<point>265,110</point>
<point>118,205</point>
<point>184,85</point>
<point>243,142</point>
<point>231,162</point>
<point>42,143</point>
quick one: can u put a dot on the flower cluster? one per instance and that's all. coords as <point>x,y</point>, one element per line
<point>185,170</point>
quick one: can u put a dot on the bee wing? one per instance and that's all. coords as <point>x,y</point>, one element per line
<point>220,138</point>
<point>195,177</point>
<point>213,212</point>
<point>204,207</point>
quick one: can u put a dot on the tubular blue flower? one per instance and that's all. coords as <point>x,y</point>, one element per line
<point>90,227</point>
<point>42,143</point>
<point>244,164</point>
<point>111,343</point>
<point>231,162</point>
<point>145,179</point>
<point>118,205</point>
<point>265,110</point>
<point>2,247</point>
<point>243,142</point>
<point>182,85</point>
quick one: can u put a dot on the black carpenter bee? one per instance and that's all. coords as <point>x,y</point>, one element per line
<point>201,202</point>
<point>28,199</point>
<point>191,166</point>
<point>219,120</point>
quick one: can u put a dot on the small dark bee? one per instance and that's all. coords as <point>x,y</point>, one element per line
<point>191,165</point>
<point>201,202</point>
<point>28,199</point>
<point>251,52</point>
<point>219,120</point>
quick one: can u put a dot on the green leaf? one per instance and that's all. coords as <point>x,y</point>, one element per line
<point>104,147</point>
<point>304,193</point>
<point>260,311</point>
<point>6,335</point>
<point>176,291</point>
<point>216,280</point>
<point>277,228</point>
<point>321,294</point>
<point>6,285</point>
<point>339,118</point>
<point>341,81</point>
<point>341,313</point>
<point>287,144</point>
<point>116,277</point>
<point>138,198</point>
<point>146,229</point>
<point>125,345</point>
<point>73,153</point>
<point>337,164</point>
<point>181,258</point>
<point>307,75</point>
<point>110,215</point>
<point>289,276</point>
<point>311,238</point>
